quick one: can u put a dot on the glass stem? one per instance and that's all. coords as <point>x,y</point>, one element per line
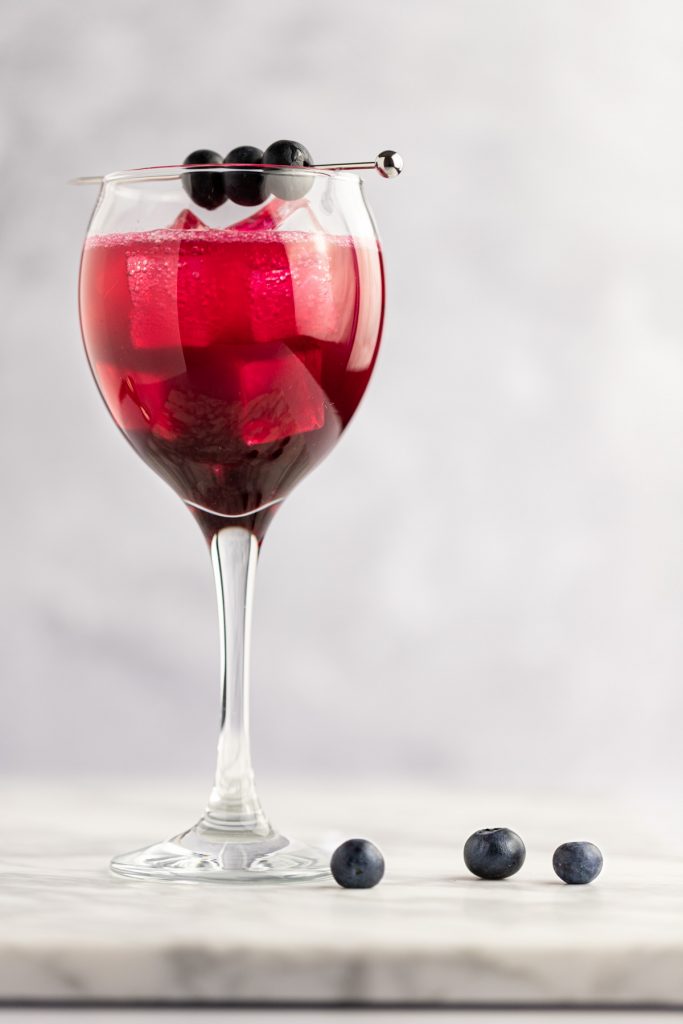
<point>233,804</point>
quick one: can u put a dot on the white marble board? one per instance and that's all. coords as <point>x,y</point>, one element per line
<point>430,934</point>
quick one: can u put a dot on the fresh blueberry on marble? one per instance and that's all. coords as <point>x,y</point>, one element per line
<point>244,187</point>
<point>494,853</point>
<point>577,863</point>
<point>286,153</point>
<point>205,188</point>
<point>357,864</point>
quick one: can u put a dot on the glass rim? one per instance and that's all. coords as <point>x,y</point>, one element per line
<point>171,172</point>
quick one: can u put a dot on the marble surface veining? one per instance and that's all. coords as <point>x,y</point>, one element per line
<point>429,934</point>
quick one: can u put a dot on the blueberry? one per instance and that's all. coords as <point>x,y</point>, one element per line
<point>245,187</point>
<point>286,153</point>
<point>577,863</point>
<point>494,853</point>
<point>357,864</point>
<point>205,188</point>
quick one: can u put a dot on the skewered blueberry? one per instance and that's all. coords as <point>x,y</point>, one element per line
<point>205,188</point>
<point>245,187</point>
<point>577,863</point>
<point>286,153</point>
<point>494,853</point>
<point>357,864</point>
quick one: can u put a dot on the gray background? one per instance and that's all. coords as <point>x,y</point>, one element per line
<point>485,581</point>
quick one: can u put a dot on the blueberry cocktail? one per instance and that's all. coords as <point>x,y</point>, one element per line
<point>232,346</point>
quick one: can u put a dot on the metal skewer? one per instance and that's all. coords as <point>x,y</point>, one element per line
<point>388,164</point>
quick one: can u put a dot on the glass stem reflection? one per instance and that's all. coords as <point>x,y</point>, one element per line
<point>233,804</point>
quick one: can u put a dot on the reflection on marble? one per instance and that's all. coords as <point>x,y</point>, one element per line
<point>428,934</point>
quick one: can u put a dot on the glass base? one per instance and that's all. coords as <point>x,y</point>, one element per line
<point>206,854</point>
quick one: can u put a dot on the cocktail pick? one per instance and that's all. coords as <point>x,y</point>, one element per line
<point>388,164</point>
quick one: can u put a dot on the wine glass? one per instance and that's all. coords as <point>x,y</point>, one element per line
<point>231,347</point>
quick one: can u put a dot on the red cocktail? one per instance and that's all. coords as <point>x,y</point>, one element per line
<point>231,352</point>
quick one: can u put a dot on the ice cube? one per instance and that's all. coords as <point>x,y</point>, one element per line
<point>186,221</point>
<point>270,296</point>
<point>324,286</point>
<point>280,394</point>
<point>278,212</point>
<point>304,285</point>
<point>137,401</point>
<point>265,219</point>
<point>212,296</point>
<point>153,286</point>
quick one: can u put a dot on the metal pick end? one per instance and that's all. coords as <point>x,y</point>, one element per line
<point>389,163</point>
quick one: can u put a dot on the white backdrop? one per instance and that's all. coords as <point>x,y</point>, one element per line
<point>485,580</point>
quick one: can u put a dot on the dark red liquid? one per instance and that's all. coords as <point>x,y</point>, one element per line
<point>231,359</point>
